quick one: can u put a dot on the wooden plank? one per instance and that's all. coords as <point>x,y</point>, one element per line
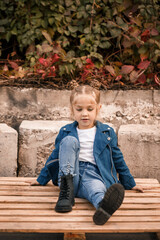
<point>51,206</point>
<point>76,227</point>
<point>138,180</point>
<point>119,212</point>
<point>28,192</point>
<point>77,206</point>
<point>64,219</point>
<point>29,199</point>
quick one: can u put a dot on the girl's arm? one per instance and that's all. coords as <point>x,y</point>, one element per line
<point>121,167</point>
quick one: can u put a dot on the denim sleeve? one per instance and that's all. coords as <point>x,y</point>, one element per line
<point>122,169</point>
<point>44,176</point>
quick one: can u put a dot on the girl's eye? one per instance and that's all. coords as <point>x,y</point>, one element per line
<point>90,109</point>
<point>79,109</point>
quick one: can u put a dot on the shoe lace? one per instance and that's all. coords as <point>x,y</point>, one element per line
<point>65,190</point>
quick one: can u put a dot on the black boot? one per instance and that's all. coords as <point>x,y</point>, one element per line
<point>66,195</point>
<point>112,200</point>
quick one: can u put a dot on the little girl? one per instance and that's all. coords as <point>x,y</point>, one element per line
<point>86,160</point>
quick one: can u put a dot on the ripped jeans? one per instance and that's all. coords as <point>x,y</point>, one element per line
<point>87,180</point>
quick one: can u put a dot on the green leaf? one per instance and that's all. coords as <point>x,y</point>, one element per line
<point>3,21</point>
<point>2,30</point>
<point>73,29</point>
<point>97,55</point>
<point>142,50</point>
<point>105,45</point>
<point>51,21</point>
<point>68,3</point>
<point>87,30</point>
<point>70,54</point>
<point>8,36</point>
<point>115,32</point>
<point>68,19</point>
<point>14,31</point>
<point>58,17</point>
<point>47,36</point>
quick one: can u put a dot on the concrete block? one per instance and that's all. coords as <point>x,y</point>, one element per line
<point>8,151</point>
<point>36,142</point>
<point>140,145</point>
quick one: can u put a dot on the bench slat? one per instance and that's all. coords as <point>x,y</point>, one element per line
<point>76,227</point>
<point>11,192</point>
<point>77,219</point>
<point>24,199</point>
<point>77,213</point>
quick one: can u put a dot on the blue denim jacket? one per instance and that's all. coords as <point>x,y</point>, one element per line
<point>108,157</point>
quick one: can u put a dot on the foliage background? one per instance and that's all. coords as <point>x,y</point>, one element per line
<point>105,43</point>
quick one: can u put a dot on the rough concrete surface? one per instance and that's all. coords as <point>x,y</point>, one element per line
<point>140,145</point>
<point>36,142</point>
<point>118,107</point>
<point>8,151</point>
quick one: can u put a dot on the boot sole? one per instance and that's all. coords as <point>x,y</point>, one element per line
<point>64,209</point>
<point>110,203</point>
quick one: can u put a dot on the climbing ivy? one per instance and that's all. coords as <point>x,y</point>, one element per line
<point>117,35</point>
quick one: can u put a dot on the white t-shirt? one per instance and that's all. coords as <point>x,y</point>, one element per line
<point>86,138</point>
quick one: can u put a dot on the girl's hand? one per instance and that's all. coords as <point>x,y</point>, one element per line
<point>33,183</point>
<point>138,188</point>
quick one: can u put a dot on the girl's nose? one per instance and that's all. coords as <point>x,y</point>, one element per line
<point>84,113</point>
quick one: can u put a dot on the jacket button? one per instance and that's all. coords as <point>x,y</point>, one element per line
<point>109,138</point>
<point>64,128</point>
<point>108,128</point>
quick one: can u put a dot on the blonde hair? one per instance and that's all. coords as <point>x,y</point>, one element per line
<point>85,89</point>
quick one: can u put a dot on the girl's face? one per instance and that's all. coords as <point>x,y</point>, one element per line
<point>85,110</point>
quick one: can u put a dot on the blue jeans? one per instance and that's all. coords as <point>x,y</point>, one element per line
<point>87,180</point>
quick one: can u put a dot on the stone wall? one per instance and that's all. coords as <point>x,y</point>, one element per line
<point>118,107</point>
<point>37,115</point>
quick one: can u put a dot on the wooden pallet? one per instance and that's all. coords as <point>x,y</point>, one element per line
<point>25,208</point>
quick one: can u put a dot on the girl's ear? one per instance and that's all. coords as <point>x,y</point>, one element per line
<point>98,108</point>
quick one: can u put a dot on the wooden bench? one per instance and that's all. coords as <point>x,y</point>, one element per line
<point>29,209</point>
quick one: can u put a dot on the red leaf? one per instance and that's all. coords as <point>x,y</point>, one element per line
<point>154,32</point>
<point>40,71</point>
<point>88,60</point>
<point>156,79</point>
<point>133,76</point>
<point>41,60</point>
<point>145,35</point>
<point>55,58</point>
<point>127,69</point>
<point>90,63</point>
<point>110,69</point>
<point>13,65</point>
<point>142,79</point>
<point>143,56</point>
<point>5,68</point>
<point>44,62</point>
<point>118,77</point>
<point>143,65</point>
